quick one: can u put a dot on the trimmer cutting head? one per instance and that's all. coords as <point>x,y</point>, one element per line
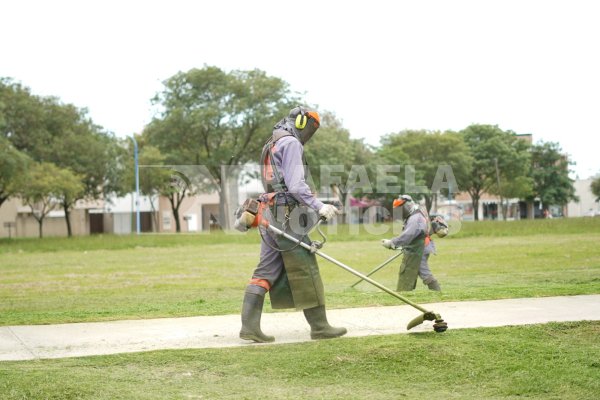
<point>439,324</point>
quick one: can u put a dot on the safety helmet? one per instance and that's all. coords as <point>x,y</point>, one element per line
<point>406,204</point>
<point>305,122</point>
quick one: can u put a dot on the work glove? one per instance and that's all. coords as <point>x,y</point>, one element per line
<point>328,211</point>
<point>388,244</point>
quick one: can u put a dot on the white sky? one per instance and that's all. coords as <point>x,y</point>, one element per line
<point>381,66</point>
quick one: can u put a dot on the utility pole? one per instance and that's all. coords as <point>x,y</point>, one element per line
<point>499,193</point>
<point>137,185</point>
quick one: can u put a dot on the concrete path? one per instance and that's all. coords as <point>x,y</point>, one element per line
<point>85,339</point>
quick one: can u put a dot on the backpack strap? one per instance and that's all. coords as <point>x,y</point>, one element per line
<point>272,179</point>
<point>428,223</point>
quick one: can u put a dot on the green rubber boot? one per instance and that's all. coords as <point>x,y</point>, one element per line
<point>251,313</point>
<point>319,327</point>
<point>434,285</point>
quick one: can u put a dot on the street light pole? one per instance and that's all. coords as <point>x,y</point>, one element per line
<point>137,185</point>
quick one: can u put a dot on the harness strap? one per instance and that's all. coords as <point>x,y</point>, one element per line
<point>270,172</point>
<point>278,184</point>
<point>428,232</point>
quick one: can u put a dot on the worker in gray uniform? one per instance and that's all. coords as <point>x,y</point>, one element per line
<point>415,241</point>
<point>287,271</point>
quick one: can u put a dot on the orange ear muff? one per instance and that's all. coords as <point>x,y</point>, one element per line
<point>398,203</point>
<point>301,121</point>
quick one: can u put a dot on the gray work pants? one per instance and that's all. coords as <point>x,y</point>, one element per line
<point>424,271</point>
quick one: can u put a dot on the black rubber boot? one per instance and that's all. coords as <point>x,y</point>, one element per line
<point>251,312</point>
<point>319,327</point>
<point>434,285</point>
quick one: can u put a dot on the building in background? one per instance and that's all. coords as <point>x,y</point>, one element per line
<point>118,215</point>
<point>114,215</point>
<point>587,206</point>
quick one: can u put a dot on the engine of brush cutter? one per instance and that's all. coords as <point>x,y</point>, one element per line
<point>249,215</point>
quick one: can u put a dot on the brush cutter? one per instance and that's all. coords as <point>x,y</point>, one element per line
<point>314,247</point>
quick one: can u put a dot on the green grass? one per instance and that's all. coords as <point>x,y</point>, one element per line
<point>528,227</point>
<point>110,277</point>
<point>550,361</point>
<point>336,232</point>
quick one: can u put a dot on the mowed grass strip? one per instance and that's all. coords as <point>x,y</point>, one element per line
<point>549,361</point>
<point>342,232</point>
<point>99,279</point>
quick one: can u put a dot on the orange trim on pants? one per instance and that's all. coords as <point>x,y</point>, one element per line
<point>263,283</point>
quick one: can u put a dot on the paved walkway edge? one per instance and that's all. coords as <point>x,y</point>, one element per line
<point>99,338</point>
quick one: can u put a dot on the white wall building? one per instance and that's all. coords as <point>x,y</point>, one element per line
<point>587,205</point>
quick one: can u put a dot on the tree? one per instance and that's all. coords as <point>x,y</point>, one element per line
<point>13,164</point>
<point>499,157</point>
<point>550,175</point>
<point>595,186</point>
<point>441,160</point>
<point>70,188</point>
<point>50,131</point>
<point>509,188</point>
<point>389,163</point>
<point>512,166</point>
<point>22,117</point>
<point>45,187</point>
<point>81,146</point>
<point>218,120</point>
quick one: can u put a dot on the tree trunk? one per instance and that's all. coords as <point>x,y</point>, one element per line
<point>475,201</point>
<point>154,215</point>
<point>176,217</point>
<point>224,204</point>
<point>40,222</point>
<point>228,191</point>
<point>175,208</point>
<point>530,210</point>
<point>68,220</point>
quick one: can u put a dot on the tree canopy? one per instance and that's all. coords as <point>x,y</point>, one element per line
<point>13,164</point>
<point>49,131</point>
<point>550,175</point>
<point>440,160</point>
